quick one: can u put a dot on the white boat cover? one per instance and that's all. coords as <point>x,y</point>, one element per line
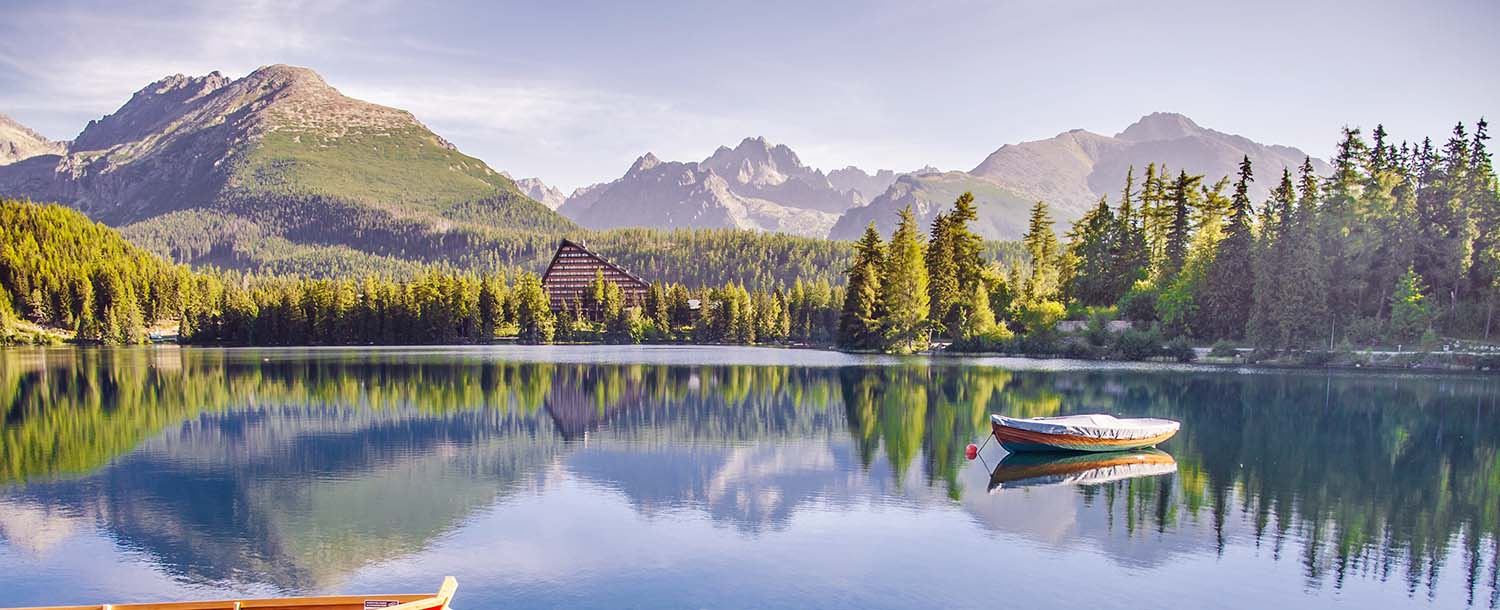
<point>1096,425</point>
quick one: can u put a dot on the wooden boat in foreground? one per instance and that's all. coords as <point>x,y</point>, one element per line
<point>1045,469</point>
<point>419,601</point>
<point>1095,432</point>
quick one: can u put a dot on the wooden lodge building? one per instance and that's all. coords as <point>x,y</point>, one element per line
<point>571,274</point>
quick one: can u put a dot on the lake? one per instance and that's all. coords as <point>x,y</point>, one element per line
<point>699,477</point>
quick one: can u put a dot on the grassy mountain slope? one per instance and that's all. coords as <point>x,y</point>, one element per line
<point>277,166</point>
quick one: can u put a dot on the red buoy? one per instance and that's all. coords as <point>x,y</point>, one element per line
<point>972,451</point>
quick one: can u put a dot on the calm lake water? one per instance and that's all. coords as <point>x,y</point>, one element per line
<point>732,478</point>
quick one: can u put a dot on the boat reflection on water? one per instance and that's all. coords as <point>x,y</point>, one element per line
<point>1043,469</point>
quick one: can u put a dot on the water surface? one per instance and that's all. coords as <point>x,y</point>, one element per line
<point>732,478</point>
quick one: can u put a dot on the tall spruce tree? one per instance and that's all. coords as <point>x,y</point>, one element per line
<point>968,246</point>
<point>1179,228</point>
<point>1231,278</point>
<point>1264,329</point>
<point>533,312</point>
<point>491,307</point>
<point>903,284</point>
<point>1485,203</point>
<point>1092,248</point>
<point>1304,318</point>
<point>942,272</point>
<point>1342,225</point>
<point>1041,245</point>
<point>1153,225</point>
<point>1130,257</point>
<point>1444,245</point>
<point>859,324</point>
<point>968,257</point>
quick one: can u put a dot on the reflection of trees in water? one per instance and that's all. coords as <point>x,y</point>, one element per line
<point>68,412</point>
<point>1379,477</point>
<point>291,474</point>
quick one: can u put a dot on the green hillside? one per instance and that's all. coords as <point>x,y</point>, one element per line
<point>403,168</point>
<point>62,270</point>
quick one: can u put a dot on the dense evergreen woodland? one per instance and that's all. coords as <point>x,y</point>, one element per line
<point>60,270</point>
<point>1399,246</point>
<point>355,240</point>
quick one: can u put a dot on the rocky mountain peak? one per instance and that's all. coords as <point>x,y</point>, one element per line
<point>19,142</point>
<point>538,190</point>
<point>149,109</point>
<point>1160,126</point>
<point>285,75</point>
<point>185,141</point>
<point>644,163</point>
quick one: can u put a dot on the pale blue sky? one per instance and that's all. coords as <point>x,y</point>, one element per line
<point>572,92</point>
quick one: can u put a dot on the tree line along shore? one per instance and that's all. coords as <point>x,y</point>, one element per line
<point>1398,248</point>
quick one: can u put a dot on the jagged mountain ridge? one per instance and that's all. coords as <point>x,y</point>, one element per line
<point>540,191</point>
<point>1070,172</point>
<point>755,185</point>
<point>661,194</point>
<point>18,142</point>
<point>278,153</point>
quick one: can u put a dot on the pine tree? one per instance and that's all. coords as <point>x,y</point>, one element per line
<point>904,287</point>
<point>1130,256</point>
<point>1179,229</point>
<point>942,271</point>
<point>1155,218</point>
<point>981,322</point>
<point>1091,245</point>
<point>1444,246</point>
<point>1485,205</point>
<point>619,320</point>
<point>1231,278</point>
<point>781,325</point>
<point>533,312</point>
<point>1265,323</point>
<point>1304,318</point>
<point>859,326</point>
<point>968,246</point>
<point>1411,314</point>
<point>598,291</point>
<point>489,308</point>
<point>1041,244</point>
<point>1342,224</point>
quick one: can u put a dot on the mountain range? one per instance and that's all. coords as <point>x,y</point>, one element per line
<point>1070,172</point>
<point>280,170</point>
<point>755,185</point>
<point>278,163</point>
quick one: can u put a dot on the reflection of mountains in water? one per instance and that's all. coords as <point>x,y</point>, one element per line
<point>299,498</point>
<point>753,488</point>
<point>376,454</point>
<point>1039,469</point>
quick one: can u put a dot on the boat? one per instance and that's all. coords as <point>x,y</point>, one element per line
<point>1045,469</point>
<point>1092,432</point>
<point>418,601</point>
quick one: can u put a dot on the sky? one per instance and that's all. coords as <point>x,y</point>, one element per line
<point>573,92</point>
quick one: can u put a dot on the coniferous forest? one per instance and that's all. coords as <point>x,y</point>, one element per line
<point>1399,246</point>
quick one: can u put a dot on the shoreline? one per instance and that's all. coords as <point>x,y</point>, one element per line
<point>1410,362</point>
